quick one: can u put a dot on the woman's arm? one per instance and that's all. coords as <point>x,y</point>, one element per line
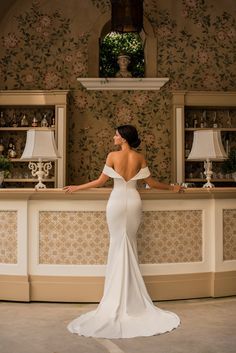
<point>157,184</point>
<point>92,184</point>
<point>161,186</point>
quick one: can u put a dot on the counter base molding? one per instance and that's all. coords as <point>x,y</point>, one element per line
<point>90,289</point>
<point>15,288</point>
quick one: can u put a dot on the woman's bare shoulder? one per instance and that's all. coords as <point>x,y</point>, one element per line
<point>113,154</point>
<point>139,155</point>
<point>142,159</point>
<point>111,157</point>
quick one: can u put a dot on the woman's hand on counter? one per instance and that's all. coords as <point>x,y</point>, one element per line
<point>176,188</point>
<point>71,188</point>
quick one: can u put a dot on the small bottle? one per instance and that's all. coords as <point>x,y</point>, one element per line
<point>24,121</point>
<point>195,121</point>
<point>44,122</point>
<point>203,120</point>
<point>227,147</point>
<point>10,147</point>
<point>187,150</point>
<point>202,123</point>
<point>2,120</point>
<point>14,121</point>
<point>12,152</point>
<point>229,122</point>
<point>34,122</point>
<point>1,147</point>
<point>214,121</point>
<point>53,122</point>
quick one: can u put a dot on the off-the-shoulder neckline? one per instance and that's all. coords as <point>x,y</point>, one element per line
<point>122,176</point>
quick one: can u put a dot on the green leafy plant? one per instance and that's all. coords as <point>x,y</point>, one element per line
<point>112,45</point>
<point>229,165</point>
<point>5,165</point>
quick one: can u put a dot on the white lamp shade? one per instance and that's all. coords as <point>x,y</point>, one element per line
<point>207,144</point>
<point>40,144</point>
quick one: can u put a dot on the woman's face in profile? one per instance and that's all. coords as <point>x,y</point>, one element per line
<point>118,140</point>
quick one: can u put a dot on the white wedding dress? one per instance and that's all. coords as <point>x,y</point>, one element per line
<point>126,310</point>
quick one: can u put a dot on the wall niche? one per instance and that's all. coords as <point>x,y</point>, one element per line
<point>103,27</point>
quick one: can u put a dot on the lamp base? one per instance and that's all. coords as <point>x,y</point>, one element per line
<point>40,185</point>
<point>208,185</point>
<point>208,173</point>
<point>41,170</point>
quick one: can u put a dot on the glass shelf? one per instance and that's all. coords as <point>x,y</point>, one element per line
<point>25,128</point>
<point>22,180</point>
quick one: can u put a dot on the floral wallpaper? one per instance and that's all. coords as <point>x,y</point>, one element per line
<point>47,48</point>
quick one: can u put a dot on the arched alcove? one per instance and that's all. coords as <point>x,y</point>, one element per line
<point>102,27</point>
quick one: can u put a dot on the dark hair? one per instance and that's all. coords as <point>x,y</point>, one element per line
<point>130,134</point>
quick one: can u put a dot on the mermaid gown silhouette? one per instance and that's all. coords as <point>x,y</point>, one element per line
<point>125,310</point>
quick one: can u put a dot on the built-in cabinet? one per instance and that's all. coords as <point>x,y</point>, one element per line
<point>24,110</point>
<point>194,110</point>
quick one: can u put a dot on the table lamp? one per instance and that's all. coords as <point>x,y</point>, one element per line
<point>207,146</point>
<point>40,146</point>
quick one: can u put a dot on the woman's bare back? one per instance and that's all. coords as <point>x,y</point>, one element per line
<point>126,163</point>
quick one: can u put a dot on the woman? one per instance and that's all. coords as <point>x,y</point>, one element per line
<point>126,310</point>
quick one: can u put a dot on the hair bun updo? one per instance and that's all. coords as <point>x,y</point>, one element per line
<point>136,143</point>
<point>130,134</point>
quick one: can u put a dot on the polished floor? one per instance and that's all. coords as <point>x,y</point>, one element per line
<point>207,326</point>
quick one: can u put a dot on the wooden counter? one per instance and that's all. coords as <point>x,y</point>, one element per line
<point>103,194</point>
<point>53,245</point>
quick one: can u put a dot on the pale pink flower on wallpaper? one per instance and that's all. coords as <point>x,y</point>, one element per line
<point>231,33</point>
<point>10,41</point>
<point>82,34</point>
<point>164,31</point>
<point>174,85</point>
<point>191,3</point>
<point>199,24</point>
<point>68,58</point>
<point>184,12</point>
<point>140,99</point>
<point>149,139</point>
<point>210,81</point>
<point>79,68</point>
<point>81,101</point>
<point>38,29</point>
<point>203,56</point>
<point>79,55</point>
<point>162,165</point>
<point>51,80</point>
<point>104,137</point>
<point>45,34</point>
<point>221,35</point>
<point>45,21</point>
<point>123,115</point>
<point>29,77</point>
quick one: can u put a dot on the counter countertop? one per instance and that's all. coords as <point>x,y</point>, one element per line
<point>103,194</point>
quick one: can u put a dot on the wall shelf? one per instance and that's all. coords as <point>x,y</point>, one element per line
<point>31,102</point>
<point>133,83</point>
<point>207,107</point>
